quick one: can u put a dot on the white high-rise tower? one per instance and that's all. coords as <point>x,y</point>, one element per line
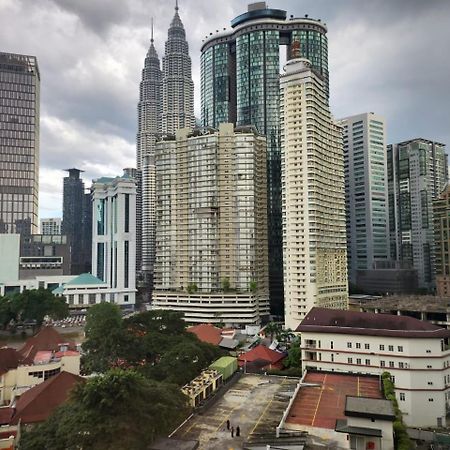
<point>313,196</point>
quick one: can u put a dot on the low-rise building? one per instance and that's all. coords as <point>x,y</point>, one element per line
<point>202,387</point>
<point>43,356</point>
<point>415,353</point>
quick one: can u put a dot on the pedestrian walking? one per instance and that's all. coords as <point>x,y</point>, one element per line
<point>232,431</point>
<point>238,431</point>
<point>228,424</point>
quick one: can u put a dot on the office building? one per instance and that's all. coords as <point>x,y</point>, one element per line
<point>415,353</point>
<point>166,104</point>
<point>114,237</point>
<point>149,128</point>
<point>19,143</point>
<point>44,255</point>
<point>312,173</point>
<point>211,233</point>
<point>366,193</point>
<point>51,226</point>
<point>177,84</point>
<point>441,217</point>
<point>76,221</point>
<point>240,84</point>
<point>417,174</point>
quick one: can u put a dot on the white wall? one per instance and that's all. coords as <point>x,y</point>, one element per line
<point>9,257</point>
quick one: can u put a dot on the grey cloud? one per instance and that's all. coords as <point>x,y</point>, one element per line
<point>385,56</point>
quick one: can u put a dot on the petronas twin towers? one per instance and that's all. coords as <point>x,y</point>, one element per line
<point>166,103</point>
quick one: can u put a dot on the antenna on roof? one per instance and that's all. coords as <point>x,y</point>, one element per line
<point>151,40</point>
<point>176,5</point>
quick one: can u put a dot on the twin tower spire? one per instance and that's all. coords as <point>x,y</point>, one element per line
<point>166,104</point>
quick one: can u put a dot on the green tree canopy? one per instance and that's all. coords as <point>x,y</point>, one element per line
<point>121,409</point>
<point>105,338</point>
<point>32,305</point>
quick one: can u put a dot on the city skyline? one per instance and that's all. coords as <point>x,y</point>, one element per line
<point>89,93</point>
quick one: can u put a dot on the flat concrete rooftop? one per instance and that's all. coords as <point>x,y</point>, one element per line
<point>255,403</point>
<point>323,402</point>
<point>420,303</point>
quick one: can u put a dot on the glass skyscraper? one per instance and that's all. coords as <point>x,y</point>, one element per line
<point>240,84</point>
<point>19,143</point>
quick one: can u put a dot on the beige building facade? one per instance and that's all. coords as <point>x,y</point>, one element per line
<point>441,213</point>
<point>211,234</point>
<point>313,196</point>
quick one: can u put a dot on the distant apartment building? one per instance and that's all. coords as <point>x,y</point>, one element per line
<point>366,192</point>
<point>19,143</point>
<point>76,221</point>
<point>114,237</point>
<point>417,174</point>
<point>51,226</point>
<point>441,217</point>
<point>211,233</point>
<point>313,197</point>
<point>415,353</point>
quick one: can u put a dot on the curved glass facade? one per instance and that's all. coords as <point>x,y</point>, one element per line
<point>240,84</point>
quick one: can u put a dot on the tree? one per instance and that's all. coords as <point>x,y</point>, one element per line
<point>253,286</point>
<point>6,312</point>
<point>35,304</point>
<point>294,357</point>
<point>225,284</point>
<point>272,329</point>
<point>121,409</point>
<point>160,321</point>
<point>105,338</point>
<point>192,288</point>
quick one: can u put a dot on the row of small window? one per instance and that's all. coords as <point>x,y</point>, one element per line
<point>367,346</point>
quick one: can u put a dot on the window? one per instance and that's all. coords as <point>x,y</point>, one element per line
<point>349,345</point>
<point>401,365</point>
<point>431,400</point>
<point>332,358</point>
<point>381,347</point>
<point>402,396</point>
<point>367,346</point>
<point>429,367</point>
<point>382,363</point>
<point>358,345</point>
<point>430,383</point>
<point>358,361</point>
<point>428,351</point>
<point>400,348</point>
<point>331,345</point>
<point>391,348</point>
<point>391,363</point>
<point>350,360</point>
<point>367,362</point>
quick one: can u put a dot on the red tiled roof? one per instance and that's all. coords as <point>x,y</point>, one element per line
<point>324,320</point>
<point>5,415</point>
<point>36,404</point>
<point>10,358</point>
<point>207,332</point>
<point>46,339</point>
<point>261,353</point>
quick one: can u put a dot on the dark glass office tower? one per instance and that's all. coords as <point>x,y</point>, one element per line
<point>77,221</point>
<point>19,143</point>
<point>240,84</point>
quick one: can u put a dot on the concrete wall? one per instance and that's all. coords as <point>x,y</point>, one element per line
<point>9,260</point>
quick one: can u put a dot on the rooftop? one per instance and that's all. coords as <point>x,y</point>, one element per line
<point>261,354</point>
<point>324,320</point>
<point>376,408</point>
<point>36,404</point>
<point>85,279</point>
<point>324,401</point>
<point>207,332</point>
<point>424,303</point>
<point>10,358</point>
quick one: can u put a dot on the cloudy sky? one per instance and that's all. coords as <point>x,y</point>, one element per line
<point>386,56</point>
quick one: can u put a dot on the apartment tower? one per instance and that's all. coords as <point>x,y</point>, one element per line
<point>312,172</point>
<point>417,174</point>
<point>240,84</point>
<point>211,233</point>
<point>366,192</point>
<point>19,143</point>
